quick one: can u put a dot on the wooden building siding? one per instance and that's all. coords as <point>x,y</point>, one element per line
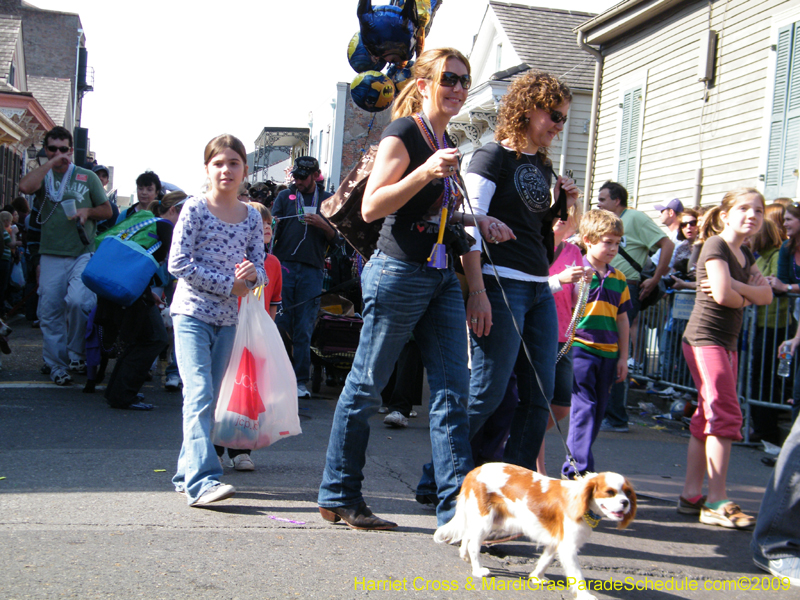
<point>680,132</point>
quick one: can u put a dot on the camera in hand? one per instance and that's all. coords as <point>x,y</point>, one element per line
<point>81,232</point>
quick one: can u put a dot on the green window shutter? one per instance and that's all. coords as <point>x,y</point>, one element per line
<point>629,138</point>
<point>783,154</point>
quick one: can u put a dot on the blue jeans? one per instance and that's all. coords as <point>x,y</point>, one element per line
<point>777,532</point>
<point>616,413</point>
<point>203,352</point>
<point>401,298</point>
<point>301,282</point>
<point>493,359</point>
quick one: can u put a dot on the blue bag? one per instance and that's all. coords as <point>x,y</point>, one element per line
<point>121,269</point>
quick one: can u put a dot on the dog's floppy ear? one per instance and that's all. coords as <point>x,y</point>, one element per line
<point>585,497</point>
<point>627,488</point>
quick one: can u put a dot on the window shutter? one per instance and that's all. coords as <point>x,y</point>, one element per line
<point>629,138</point>
<point>783,154</point>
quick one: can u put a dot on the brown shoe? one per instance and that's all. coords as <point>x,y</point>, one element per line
<point>728,515</point>
<point>357,517</point>
<point>690,508</point>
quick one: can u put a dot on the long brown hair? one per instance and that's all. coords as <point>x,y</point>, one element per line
<point>712,221</point>
<point>767,237</point>
<point>775,213</point>
<point>223,142</point>
<point>793,210</point>
<point>535,89</point>
<point>430,65</point>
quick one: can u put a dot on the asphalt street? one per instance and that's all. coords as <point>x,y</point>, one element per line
<point>87,511</point>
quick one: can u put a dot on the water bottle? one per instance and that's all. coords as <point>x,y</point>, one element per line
<point>785,357</point>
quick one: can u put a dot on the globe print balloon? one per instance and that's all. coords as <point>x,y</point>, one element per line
<point>360,58</point>
<point>372,91</point>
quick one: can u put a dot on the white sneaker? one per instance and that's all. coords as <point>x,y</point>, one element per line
<point>222,462</point>
<point>243,462</point>
<point>302,392</point>
<point>215,493</point>
<point>173,383</point>
<point>395,419</point>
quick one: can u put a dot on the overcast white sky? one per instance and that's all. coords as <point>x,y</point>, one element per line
<point>172,74</point>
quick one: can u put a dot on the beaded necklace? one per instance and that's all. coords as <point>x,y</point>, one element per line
<point>438,257</point>
<point>55,195</point>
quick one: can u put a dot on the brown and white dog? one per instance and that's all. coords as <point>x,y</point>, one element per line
<point>503,499</point>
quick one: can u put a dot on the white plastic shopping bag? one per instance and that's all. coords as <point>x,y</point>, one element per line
<point>257,404</point>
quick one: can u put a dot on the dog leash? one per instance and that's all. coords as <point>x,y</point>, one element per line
<point>570,458</point>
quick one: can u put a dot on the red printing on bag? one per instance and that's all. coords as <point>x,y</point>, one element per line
<point>245,398</point>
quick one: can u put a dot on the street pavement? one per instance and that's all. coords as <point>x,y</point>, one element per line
<point>87,511</point>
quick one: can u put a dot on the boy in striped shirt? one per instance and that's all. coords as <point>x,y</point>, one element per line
<point>600,350</point>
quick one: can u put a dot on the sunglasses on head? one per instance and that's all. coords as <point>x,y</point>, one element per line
<point>556,117</point>
<point>689,223</point>
<point>55,149</point>
<point>450,79</point>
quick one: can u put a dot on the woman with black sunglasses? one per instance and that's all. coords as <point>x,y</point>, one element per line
<point>510,179</point>
<point>409,286</point>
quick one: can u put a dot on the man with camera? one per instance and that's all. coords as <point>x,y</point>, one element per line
<point>302,236</point>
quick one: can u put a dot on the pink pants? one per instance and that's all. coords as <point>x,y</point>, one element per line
<point>714,371</point>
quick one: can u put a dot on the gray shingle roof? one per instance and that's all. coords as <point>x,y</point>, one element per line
<point>10,28</point>
<point>543,38</point>
<point>53,94</point>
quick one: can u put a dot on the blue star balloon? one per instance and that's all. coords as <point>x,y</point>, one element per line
<point>389,32</point>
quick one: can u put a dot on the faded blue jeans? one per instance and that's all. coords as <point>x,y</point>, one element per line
<point>496,355</point>
<point>401,298</point>
<point>301,282</point>
<point>777,532</point>
<point>203,352</point>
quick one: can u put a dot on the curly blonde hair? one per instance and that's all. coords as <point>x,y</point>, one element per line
<point>534,89</point>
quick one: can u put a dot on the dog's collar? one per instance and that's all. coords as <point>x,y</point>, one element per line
<point>591,518</point>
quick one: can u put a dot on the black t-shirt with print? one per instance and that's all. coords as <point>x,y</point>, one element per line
<point>522,201</point>
<point>407,234</point>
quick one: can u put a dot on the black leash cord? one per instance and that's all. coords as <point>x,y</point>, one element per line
<point>570,458</point>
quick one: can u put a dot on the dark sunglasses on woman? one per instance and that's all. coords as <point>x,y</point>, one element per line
<point>556,117</point>
<point>688,223</point>
<point>450,79</point>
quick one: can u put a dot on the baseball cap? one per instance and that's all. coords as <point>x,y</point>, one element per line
<point>97,168</point>
<point>305,166</point>
<point>674,204</point>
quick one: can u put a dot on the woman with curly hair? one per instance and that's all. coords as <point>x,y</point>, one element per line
<point>510,179</point>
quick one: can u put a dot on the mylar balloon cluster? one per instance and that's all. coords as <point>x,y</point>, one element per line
<point>392,34</point>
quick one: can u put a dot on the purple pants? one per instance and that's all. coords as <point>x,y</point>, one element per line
<point>591,387</point>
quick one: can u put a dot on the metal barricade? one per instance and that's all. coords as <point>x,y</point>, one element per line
<point>658,351</point>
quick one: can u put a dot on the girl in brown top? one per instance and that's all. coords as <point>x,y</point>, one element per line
<point>727,281</point>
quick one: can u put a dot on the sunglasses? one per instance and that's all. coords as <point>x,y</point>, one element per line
<point>556,117</point>
<point>450,79</point>
<point>689,223</point>
<point>54,149</point>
